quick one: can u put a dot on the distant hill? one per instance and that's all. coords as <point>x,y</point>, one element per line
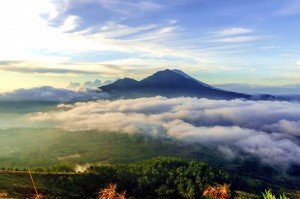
<point>168,83</point>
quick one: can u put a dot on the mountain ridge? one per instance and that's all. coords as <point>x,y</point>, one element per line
<point>168,83</point>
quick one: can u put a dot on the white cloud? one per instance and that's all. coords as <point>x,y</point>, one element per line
<point>74,85</point>
<point>238,39</point>
<point>71,22</point>
<point>234,31</point>
<point>88,84</point>
<point>115,30</point>
<point>266,129</point>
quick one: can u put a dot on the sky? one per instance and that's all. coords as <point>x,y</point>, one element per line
<point>55,42</point>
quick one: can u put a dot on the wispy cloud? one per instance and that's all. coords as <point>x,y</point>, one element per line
<point>128,7</point>
<point>65,68</point>
<point>33,70</point>
<point>112,29</point>
<point>235,35</point>
<point>234,31</point>
<point>238,39</point>
<point>291,8</point>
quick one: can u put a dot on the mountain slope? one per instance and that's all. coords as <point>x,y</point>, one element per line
<point>168,83</point>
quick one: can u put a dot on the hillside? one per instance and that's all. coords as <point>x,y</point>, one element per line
<point>60,152</point>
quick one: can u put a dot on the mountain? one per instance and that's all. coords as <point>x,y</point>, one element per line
<point>168,83</point>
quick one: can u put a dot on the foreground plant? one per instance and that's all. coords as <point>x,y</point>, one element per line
<point>217,192</point>
<point>269,195</point>
<point>110,193</point>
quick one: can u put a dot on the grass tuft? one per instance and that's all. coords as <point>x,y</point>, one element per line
<point>217,192</point>
<point>110,193</point>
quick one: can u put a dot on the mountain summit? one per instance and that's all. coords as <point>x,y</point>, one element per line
<point>168,83</point>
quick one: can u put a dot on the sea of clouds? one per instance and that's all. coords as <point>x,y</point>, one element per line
<point>269,130</point>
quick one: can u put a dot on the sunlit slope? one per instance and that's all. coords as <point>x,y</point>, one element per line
<point>45,147</point>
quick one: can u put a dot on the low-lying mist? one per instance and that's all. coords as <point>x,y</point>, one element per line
<point>268,130</point>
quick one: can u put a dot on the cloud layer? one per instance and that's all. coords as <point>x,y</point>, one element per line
<point>268,130</point>
<point>50,94</point>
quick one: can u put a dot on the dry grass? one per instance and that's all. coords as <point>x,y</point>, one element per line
<point>217,192</point>
<point>37,195</point>
<point>4,195</point>
<point>110,193</point>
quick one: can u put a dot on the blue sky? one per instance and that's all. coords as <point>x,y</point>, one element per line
<point>48,42</point>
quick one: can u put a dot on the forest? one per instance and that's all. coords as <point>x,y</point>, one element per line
<point>160,177</point>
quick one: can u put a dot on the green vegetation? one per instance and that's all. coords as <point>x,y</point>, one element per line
<point>160,177</point>
<point>269,195</point>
